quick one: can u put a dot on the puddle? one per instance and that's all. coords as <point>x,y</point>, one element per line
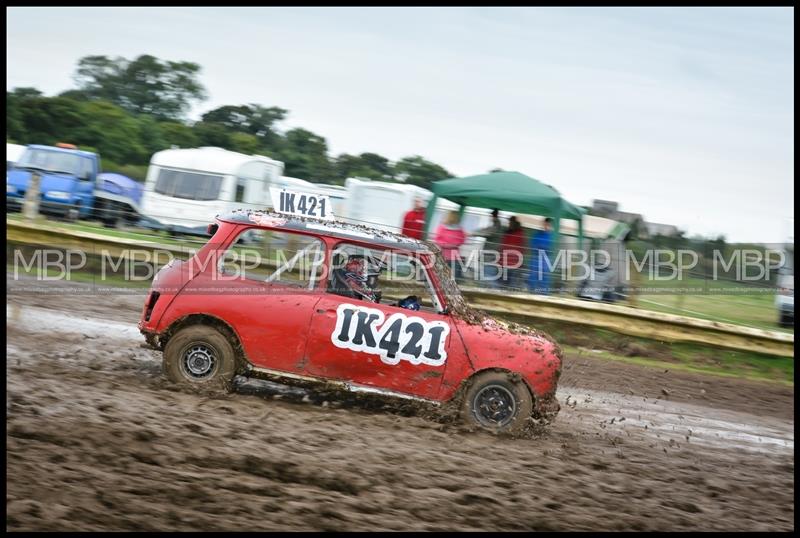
<point>41,320</point>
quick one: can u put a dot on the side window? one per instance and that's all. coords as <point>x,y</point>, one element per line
<point>86,172</point>
<point>189,185</point>
<point>408,278</point>
<point>381,276</point>
<point>282,258</point>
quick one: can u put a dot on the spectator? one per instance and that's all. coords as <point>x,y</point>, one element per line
<point>511,254</point>
<point>414,220</point>
<point>450,236</point>
<point>494,238</point>
<point>539,279</point>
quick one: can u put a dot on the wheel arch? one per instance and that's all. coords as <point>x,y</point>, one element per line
<point>218,323</point>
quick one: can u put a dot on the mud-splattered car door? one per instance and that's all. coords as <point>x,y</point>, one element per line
<point>381,344</point>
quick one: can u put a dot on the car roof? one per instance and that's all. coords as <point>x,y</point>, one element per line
<point>63,150</point>
<point>337,229</point>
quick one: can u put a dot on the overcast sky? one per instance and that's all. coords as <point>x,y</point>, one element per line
<point>683,115</point>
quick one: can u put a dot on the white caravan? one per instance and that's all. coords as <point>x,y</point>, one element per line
<point>186,188</point>
<point>383,205</point>
<point>286,182</point>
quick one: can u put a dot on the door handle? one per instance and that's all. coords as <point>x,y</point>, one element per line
<point>321,310</point>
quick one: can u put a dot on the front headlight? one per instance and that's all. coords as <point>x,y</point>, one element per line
<point>10,188</point>
<point>59,195</point>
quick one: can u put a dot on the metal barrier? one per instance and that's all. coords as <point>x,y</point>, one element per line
<point>632,321</point>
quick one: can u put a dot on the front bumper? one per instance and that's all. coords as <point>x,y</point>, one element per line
<point>14,204</point>
<point>546,408</point>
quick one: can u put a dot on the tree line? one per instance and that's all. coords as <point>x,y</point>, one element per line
<point>126,110</point>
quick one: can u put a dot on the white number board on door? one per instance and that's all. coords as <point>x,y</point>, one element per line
<point>301,204</point>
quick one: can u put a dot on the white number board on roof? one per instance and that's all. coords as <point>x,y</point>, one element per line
<point>301,204</point>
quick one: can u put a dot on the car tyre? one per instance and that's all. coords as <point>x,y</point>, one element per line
<point>113,217</point>
<point>112,223</point>
<point>200,356</point>
<point>498,402</point>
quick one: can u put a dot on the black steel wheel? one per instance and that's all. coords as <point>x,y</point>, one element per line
<point>498,402</point>
<point>200,355</point>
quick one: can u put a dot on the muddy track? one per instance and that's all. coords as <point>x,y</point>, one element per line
<point>98,440</point>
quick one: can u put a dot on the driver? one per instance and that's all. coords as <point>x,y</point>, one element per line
<point>359,280</point>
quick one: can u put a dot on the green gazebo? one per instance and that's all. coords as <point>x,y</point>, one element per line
<point>507,191</point>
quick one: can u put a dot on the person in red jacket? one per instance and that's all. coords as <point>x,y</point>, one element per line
<point>511,253</point>
<point>414,220</point>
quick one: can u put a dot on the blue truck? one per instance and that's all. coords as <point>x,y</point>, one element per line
<point>72,186</point>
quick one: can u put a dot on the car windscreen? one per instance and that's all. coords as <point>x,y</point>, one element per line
<point>52,161</point>
<point>188,185</point>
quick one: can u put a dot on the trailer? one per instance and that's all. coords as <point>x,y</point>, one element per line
<point>186,188</point>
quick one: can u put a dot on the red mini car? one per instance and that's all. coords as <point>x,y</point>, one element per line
<point>309,301</point>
